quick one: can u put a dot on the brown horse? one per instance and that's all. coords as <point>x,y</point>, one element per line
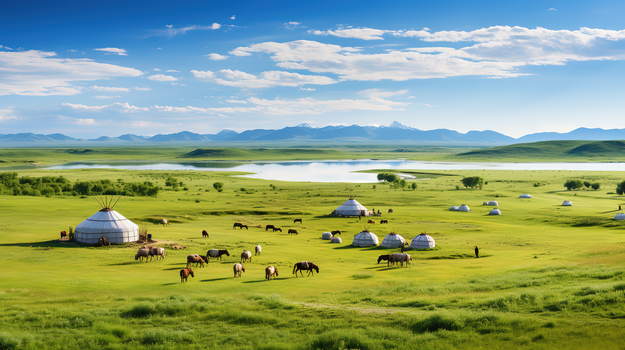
<point>196,259</point>
<point>184,274</point>
<point>270,271</point>
<point>239,225</point>
<point>246,256</point>
<point>390,211</point>
<point>238,268</point>
<point>297,220</point>
<point>269,227</point>
<point>165,222</point>
<point>257,249</point>
<point>370,222</point>
<point>277,229</point>
<point>305,265</point>
<point>383,221</point>
<point>383,257</point>
<point>204,234</point>
<point>293,231</point>
<point>216,253</point>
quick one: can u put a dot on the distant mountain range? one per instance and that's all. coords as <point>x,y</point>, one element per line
<point>394,132</point>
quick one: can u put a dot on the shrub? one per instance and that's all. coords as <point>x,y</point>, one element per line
<point>473,182</point>
<point>437,322</point>
<point>573,184</point>
<point>595,186</point>
<point>219,186</point>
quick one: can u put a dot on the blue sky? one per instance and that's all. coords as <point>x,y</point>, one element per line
<point>94,68</point>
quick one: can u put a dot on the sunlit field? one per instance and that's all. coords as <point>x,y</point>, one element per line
<point>548,276</point>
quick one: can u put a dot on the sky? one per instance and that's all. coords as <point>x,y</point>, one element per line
<point>107,68</point>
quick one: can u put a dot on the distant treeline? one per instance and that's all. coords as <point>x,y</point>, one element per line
<point>50,186</point>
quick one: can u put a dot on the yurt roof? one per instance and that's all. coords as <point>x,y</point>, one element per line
<point>422,241</point>
<point>365,239</point>
<point>108,223</point>
<point>326,235</point>
<point>464,207</point>
<point>393,241</point>
<point>525,196</point>
<point>567,203</point>
<point>453,207</point>
<point>495,212</point>
<point>494,203</point>
<point>619,216</point>
<point>350,207</point>
<point>336,240</point>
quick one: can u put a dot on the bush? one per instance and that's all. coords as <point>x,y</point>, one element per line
<point>219,186</point>
<point>437,322</point>
<point>595,186</point>
<point>573,184</point>
<point>473,182</point>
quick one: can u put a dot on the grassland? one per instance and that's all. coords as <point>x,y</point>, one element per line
<point>548,276</point>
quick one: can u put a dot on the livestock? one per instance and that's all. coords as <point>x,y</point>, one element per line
<point>195,259</point>
<point>297,220</point>
<point>238,268</point>
<point>269,227</point>
<point>371,222</point>
<point>270,271</point>
<point>184,274</point>
<point>400,258</point>
<point>239,225</point>
<point>305,265</point>
<point>277,229</point>
<point>157,252</point>
<point>204,234</point>
<point>246,256</point>
<point>383,221</point>
<point>142,253</point>
<point>390,211</point>
<point>293,231</point>
<point>335,232</point>
<point>383,257</point>
<point>257,250</point>
<point>216,253</point>
<point>164,222</point>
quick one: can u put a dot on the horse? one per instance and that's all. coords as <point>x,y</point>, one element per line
<point>371,222</point>
<point>305,265</point>
<point>268,227</point>
<point>157,251</point>
<point>335,232</point>
<point>239,225</point>
<point>390,211</point>
<point>383,221</point>
<point>246,256</point>
<point>204,234</point>
<point>184,274</point>
<point>215,253</point>
<point>383,257</point>
<point>257,250</point>
<point>195,259</point>
<point>238,268</point>
<point>297,220</point>
<point>399,258</point>
<point>142,253</point>
<point>164,222</point>
<point>293,231</point>
<point>270,271</point>
<point>277,229</point>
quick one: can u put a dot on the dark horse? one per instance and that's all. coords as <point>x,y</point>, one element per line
<point>383,221</point>
<point>293,231</point>
<point>383,257</point>
<point>239,225</point>
<point>305,265</point>
<point>215,253</point>
<point>277,229</point>
<point>297,220</point>
<point>204,233</point>
<point>336,232</point>
<point>269,227</point>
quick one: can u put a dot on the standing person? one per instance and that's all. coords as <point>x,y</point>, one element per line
<point>477,252</point>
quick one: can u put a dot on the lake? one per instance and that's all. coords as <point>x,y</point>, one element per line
<point>333,170</point>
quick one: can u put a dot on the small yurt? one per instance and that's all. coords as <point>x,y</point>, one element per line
<point>365,239</point>
<point>525,196</point>
<point>453,208</point>
<point>619,216</point>
<point>108,223</point>
<point>422,241</point>
<point>393,240</point>
<point>464,207</point>
<point>336,240</point>
<point>493,203</point>
<point>326,236</point>
<point>567,203</point>
<point>495,212</point>
<point>351,208</point>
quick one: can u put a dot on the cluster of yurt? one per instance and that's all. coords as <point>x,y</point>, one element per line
<point>491,203</point>
<point>351,208</point>
<point>463,207</point>
<point>107,223</point>
<point>393,240</point>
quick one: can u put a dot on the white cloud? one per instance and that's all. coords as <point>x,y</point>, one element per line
<point>117,106</point>
<point>142,88</point>
<point>109,89</point>
<point>172,71</point>
<point>307,89</point>
<point>85,121</point>
<point>156,69</point>
<point>552,9</point>
<point>215,26</point>
<point>38,73</point>
<point>113,50</point>
<point>216,57</point>
<point>237,101</point>
<point>377,93</point>
<point>171,31</point>
<point>356,33</point>
<point>292,25</point>
<point>102,97</point>
<point>233,17</point>
<point>7,114</point>
<point>265,79</point>
<point>162,77</point>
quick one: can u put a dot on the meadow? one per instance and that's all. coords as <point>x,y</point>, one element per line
<point>548,276</point>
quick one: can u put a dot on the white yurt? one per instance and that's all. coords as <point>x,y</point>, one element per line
<point>619,216</point>
<point>525,196</point>
<point>453,208</point>
<point>336,240</point>
<point>326,236</point>
<point>108,223</point>
<point>495,212</point>
<point>422,241</point>
<point>365,239</point>
<point>393,240</point>
<point>493,203</point>
<point>351,208</point>
<point>464,207</point>
<point>567,203</point>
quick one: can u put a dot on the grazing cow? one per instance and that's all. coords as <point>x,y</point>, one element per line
<point>390,211</point>
<point>336,232</point>
<point>270,271</point>
<point>142,253</point>
<point>257,250</point>
<point>239,225</point>
<point>297,220</point>
<point>269,227</point>
<point>195,259</point>
<point>246,256</point>
<point>383,221</point>
<point>305,265</point>
<point>164,222</point>
<point>204,234</point>
<point>277,229</point>
<point>184,274</point>
<point>371,222</point>
<point>157,252</point>
<point>215,253</point>
<point>238,268</point>
<point>293,231</point>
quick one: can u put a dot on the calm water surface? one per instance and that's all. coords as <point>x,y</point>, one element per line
<point>337,171</point>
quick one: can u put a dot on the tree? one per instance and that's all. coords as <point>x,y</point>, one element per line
<point>587,184</point>
<point>473,182</point>
<point>219,186</point>
<point>388,177</point>
<point>573,184</point>
<point>414,186</point>
<point>620,188</point>
<point>595,186</point>
<point>173,182</point>
<point>402,183</point>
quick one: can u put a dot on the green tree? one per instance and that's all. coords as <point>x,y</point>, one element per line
<point>173,182</point>
<point>620,188</point>
<point>414,186</point>
<point>587,184</point>
<point>595,186</point>
<point>573,184</point>
<point>219,186</point>
<point>473,182</point>
<point>402,183</point>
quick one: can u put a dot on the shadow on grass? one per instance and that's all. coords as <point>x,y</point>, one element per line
<point>123,263</point>
<point>170,284</point>
<point>217,279</point>
<point>51,243</point>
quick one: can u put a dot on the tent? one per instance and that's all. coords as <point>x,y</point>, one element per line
<point>495,212</point>
<point>336,240</point>
<point>351,208</point>
<point>393,240</point>
<point>422,241</point>
<point>326,236</point>
<point>464,207</point>
<point>493,203</point>
<point>567,203</point>
<point>365,239</point>
<point>453,208</point>
<point>619,216</point>
<point>108,223</point>
<point>525,196</point>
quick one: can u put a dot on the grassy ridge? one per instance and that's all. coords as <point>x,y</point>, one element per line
<point>574,151</point>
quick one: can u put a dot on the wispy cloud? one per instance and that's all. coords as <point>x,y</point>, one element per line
<point>142,88</point>
<point>109,89</point>
<point>356,33</point>
<point>292,25</point>
<point>7,114</point>
<point>102,97</point>
<point>171,31</point>
<point>233,17</point>
<point>162,77</point>
<point>113,51</point>
<point>307,89</point>
<point>265,79</point>
<point>216,57</point>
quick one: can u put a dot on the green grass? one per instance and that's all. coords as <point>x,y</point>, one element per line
<point>548,276</point>
<point>545,151</point>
